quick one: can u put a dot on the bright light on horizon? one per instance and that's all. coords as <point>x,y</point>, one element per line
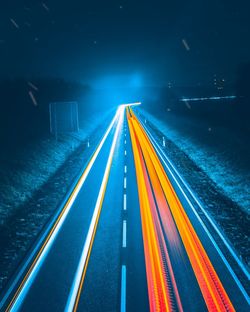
<point>131,104</point>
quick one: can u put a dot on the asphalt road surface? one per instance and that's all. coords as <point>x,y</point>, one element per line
<point>128,238</point>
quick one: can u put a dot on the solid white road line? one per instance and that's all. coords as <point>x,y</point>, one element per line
<point>125,183</point>
<point>20,297</point>
<point>123,289</point>
<point>124,201</point>
<point>81,265</point>
<point>124,234</point>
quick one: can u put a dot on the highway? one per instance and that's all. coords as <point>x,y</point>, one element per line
<point>129,238</point>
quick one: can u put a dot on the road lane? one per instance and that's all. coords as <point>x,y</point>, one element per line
<point>239,273</point>
<point>118,234</point>
<point>133,256</point>
<point>101,287</point>
<point>61,250</point>
<point>159,292</point>
<point>74,296</point>
<point>231,269</point>
<point>128,239</point>
<point>210,284</point>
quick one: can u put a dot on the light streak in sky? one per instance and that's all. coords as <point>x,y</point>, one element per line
<point>184,41</point>
<point>45,7</point>
<point>14,23</point>
<point>228,97</point>
<point>33,99</point>
<point>32,86</point>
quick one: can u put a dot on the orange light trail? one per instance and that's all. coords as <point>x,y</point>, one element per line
<point>158,266</point>
<point>155,189</point>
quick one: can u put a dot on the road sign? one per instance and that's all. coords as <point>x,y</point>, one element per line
<point>63,117</point>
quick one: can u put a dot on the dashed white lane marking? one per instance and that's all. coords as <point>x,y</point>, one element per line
<point>124,234</point>
<point>125,134</point>
<point>124,201</point>
<point>125,169</point>
<point>125,183</point>
<point>123,289</point>
<point>125,142</point>
<point>125,153</point>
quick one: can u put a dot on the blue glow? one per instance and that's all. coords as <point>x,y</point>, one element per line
<point>117,81</point>
<point>136,81</point>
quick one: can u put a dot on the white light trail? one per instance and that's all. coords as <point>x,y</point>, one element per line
<point>78,276</point>
<point>46,248</point>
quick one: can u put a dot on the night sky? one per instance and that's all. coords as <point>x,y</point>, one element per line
<point>153,42</point>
